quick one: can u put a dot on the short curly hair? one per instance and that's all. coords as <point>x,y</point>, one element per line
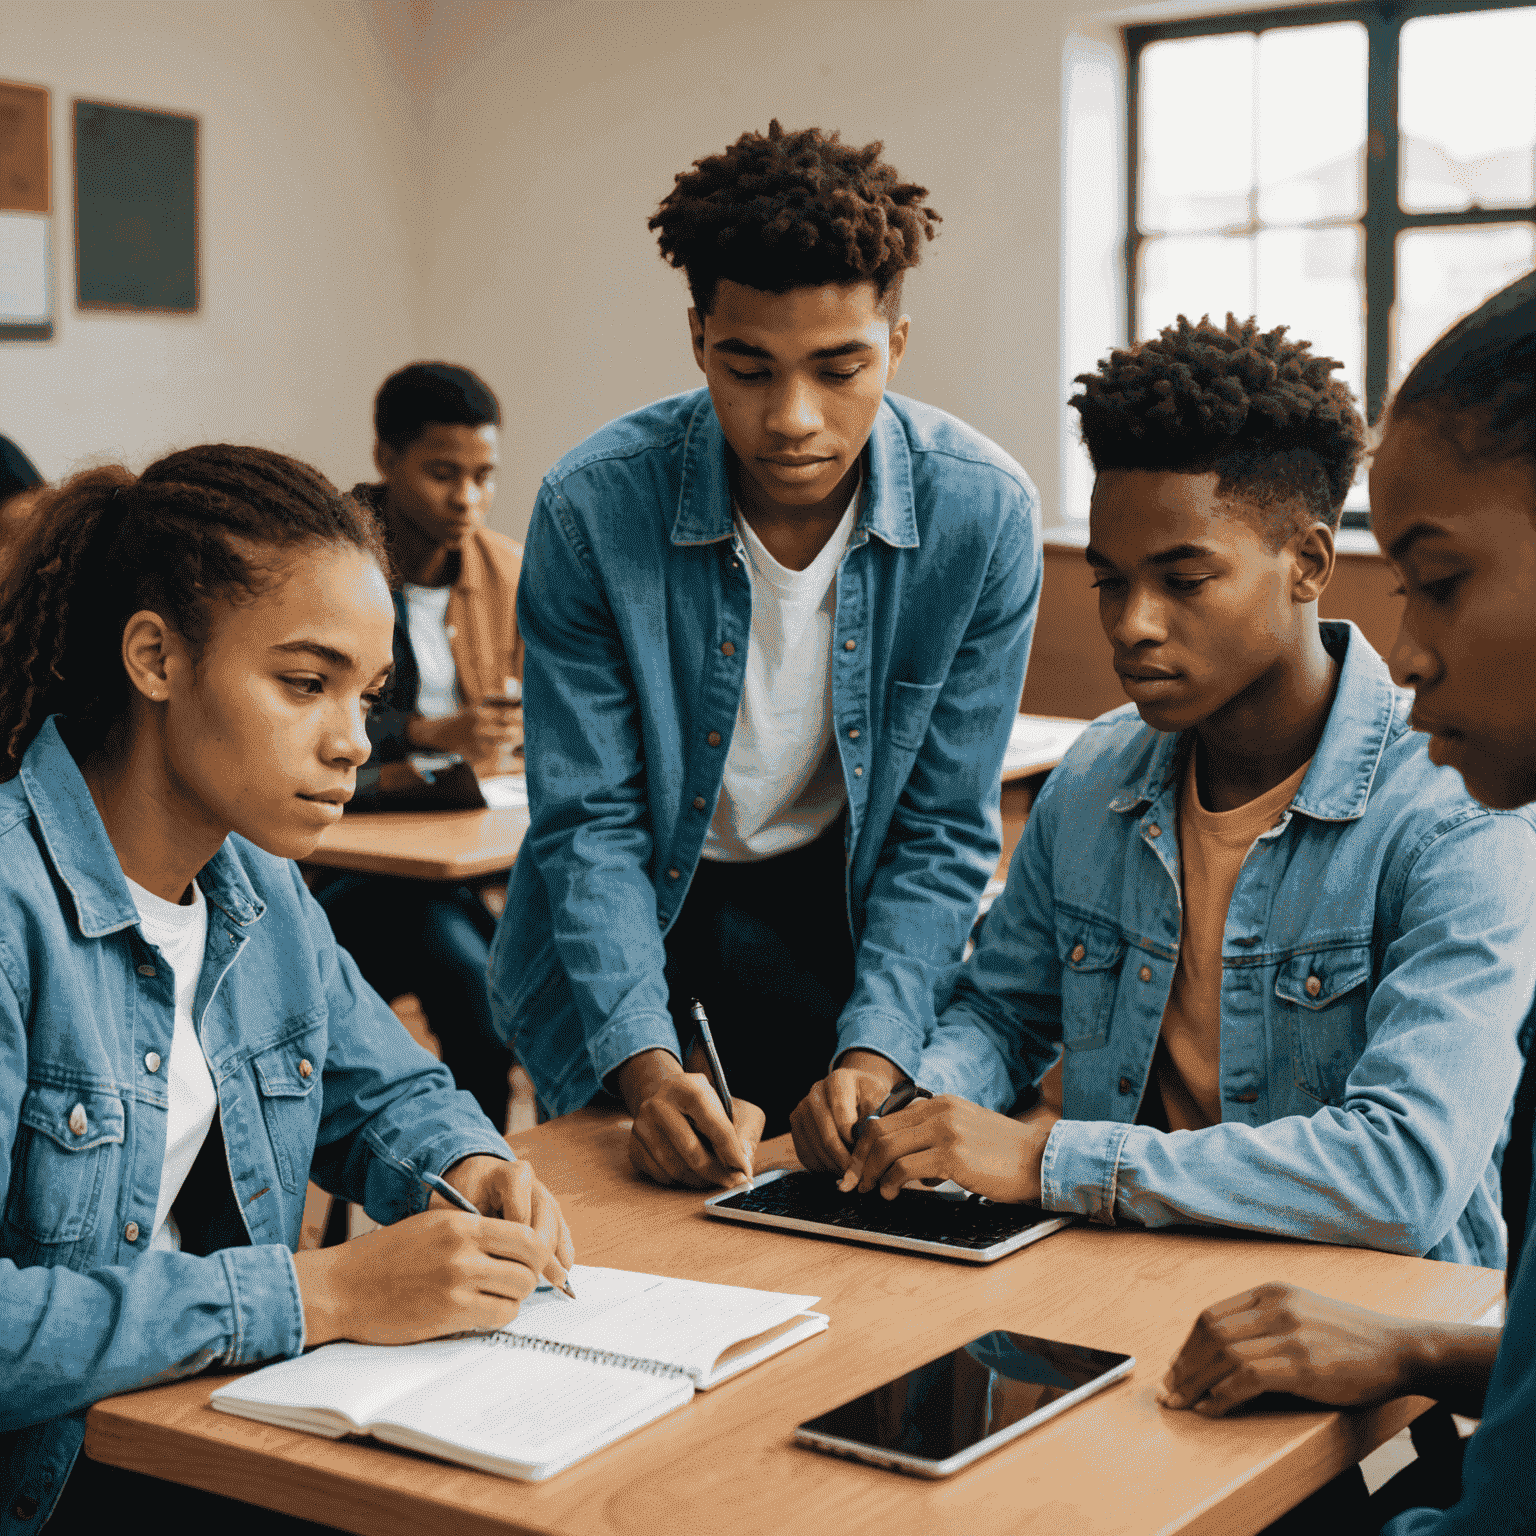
<point>1283,438</point>
<point>794,210</point>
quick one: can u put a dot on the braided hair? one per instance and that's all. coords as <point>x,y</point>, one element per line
<point>198,526</point>
<point>794,210</point>
<point>1477,384</point>
<point>1282,436</point>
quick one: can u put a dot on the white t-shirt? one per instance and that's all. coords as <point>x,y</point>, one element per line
<point>426,622</point>
<point>783,783</point>
<point>179,933</point>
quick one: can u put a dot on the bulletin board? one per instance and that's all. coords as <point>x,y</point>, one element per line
<point>136,233</point>
<point>26,208</point>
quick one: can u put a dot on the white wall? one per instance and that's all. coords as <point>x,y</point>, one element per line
<point>552,140</point>
<point>312,244</point>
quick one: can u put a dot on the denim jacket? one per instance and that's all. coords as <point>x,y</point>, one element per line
<point>1379,962</point>
<point>635,612</point>
<point>311,1070</point>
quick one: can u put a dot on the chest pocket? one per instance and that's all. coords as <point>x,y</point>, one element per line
<point>1091,955</point>
<point>70,1139</point>
<point>911,707</point>
<point>287,1077</point>
<point>1324,997</point>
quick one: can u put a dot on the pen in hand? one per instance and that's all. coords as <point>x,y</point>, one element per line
<point>716,1071</point>
<point>453,1197</point>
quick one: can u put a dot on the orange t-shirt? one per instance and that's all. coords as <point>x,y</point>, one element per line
<point>1212,847</point>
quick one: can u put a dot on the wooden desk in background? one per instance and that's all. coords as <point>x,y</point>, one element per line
<point>1069,664</point>
<point>424,845</point>
<point>726,1462</point>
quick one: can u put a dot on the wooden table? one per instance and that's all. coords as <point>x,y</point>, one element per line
<point>424,845</point>
<point>725,1462</point>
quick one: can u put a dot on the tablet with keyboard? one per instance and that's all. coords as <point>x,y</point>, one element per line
<point>949,1223</point>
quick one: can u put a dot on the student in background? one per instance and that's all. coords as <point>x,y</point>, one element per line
<point>191,657</point>
<point>20,486</point>
<point>1283,957</point>
<point>776,632</point>
<point>456,647</point>
<point>1453,502</point>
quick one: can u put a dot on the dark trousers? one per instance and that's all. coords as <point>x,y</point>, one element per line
<point>766,948</point>
<point>433,940</point>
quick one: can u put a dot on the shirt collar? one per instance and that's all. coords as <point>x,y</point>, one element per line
<point>1338,784</point>
<point>78,846</point>
<point>704,501</point>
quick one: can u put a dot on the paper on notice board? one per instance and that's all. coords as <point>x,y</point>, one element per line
<point>24,269</point>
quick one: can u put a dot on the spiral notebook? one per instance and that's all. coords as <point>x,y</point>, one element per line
<point>561,1381</point>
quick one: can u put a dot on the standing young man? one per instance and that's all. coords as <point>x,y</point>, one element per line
<point>1284,959</point>
<point>455,646</point>
<point>775,636</point>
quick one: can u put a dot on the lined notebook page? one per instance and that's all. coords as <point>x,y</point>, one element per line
<point>681,1322</point>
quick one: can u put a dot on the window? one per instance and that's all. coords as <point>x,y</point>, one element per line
<point>1361,173</point>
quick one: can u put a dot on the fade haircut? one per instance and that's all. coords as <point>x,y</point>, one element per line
<point>1263,413</point>
<point>427,394</point>
<point>794,210</point>
<point>1476,386</point>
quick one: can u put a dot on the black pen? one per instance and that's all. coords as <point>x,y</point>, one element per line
<point>898,1098</point>
<point>712,1056</point>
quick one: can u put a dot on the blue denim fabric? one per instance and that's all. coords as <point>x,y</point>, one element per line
<point>84,1312</point>
<point>1366,1112</point>
<point>633,581</point>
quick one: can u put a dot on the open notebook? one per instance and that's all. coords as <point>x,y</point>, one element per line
<point>559,1382</point>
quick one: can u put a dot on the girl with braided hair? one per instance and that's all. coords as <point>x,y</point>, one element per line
<point>1453,503</point>
<point>191,655</point>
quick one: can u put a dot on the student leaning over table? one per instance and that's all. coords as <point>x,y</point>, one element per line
<point>1453,502</point>
<point>775,633</point>
<point>1283,957</point>
<point>191,655</point>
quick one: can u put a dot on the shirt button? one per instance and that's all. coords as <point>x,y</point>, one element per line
<point>1314,986</point>
<point>131,1232</point>
<point>152,1061</point>
<point>1145,973</point>
<point>858,773</point>
<point>713,738</point>
<point>24,1507</point>
<point>305,1069</point>
<point>146,970</point>
<point>1077,953</point>
<point>1246,1098</point>
<point>1125,1085</point>
<point>1154,830</point>
<point>727,649</point>
<point>853,733</point>
<point>850,645</point>
<point>674,874</point>
<point>698,802</point>
<point>77,1121</point>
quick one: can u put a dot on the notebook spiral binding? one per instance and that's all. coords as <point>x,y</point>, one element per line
<point>593,1356</point>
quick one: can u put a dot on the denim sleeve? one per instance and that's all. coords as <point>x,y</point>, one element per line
<point>70,1337</point>
<point>1395,1165</point>
<point>390,1108</point>
<point>1496,1495</point>
<point>1001,1031</point>
<point>944,838</point>
<point>590,837</point>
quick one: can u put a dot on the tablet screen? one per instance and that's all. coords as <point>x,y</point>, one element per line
<point>974,1392</point>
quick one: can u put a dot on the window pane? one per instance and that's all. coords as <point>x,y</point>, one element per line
<point>1467,110</point>
<point>1194,276</point>
<point>1442,273</point>
<point>1310,280</point>
<point>1195,121</point>
<point>1311,152</point>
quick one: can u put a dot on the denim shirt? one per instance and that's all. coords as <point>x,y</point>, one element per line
<point>635,612</point>
<point>1379,962</point>
<point>313,1073</point>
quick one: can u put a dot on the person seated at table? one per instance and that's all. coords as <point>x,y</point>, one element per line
<point>456,646</point>
<point>192,654</point>
<point>1283,957</point>
<point>776,632</point>
<point>1453,503</point>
